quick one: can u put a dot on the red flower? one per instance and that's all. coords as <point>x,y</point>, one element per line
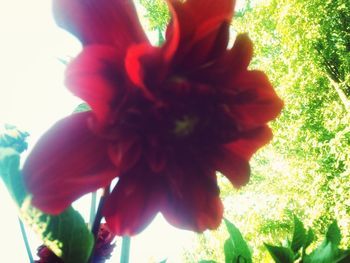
<point>103,248</point>
<point>163,120</point>
<point>47,256</point>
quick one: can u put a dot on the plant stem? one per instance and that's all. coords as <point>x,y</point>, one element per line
<point>92,209</point>
<point>124,257</point>
<point>25,239</point>
<point>98,218</point>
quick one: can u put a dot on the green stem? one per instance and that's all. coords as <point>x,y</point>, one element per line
<point>92,209</point>
<point>25,239</point>
<point>98,218</point>
<point>124,257</point>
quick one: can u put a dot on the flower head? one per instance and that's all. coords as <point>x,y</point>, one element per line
<point>104,247</point>
<point>47,256</point>
<point>104,244</point>
<point>163,120</point>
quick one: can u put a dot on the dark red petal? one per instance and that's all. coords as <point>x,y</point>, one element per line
<point>133,204</point>
<point>199,24</point>
<point>199,18</point>
<point>125,153</point>
<point>138,64</point>
<point>233,166</point>
<point>93,76</point>
<point>254,101</point>
<point>229,63</point>
<point>250,141</point>
<point>67,162</point>
<point>100,21</point>
<point>156,156</point>
<point>147,69</point>
<point>193,201</point>
<point>240,54</point>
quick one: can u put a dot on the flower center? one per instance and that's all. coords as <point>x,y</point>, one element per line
<point>185,125</point>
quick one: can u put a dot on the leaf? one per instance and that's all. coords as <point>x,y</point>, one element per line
<point>310,236</point>
<point>82,107</point>
<point>333,234</point>
<point>235,247</point>
<point>229,251</point>
<point>160,36</point>
<point>280,254</point>
<point>299,235</point>
<point>328,250</point>
<point>207,261</point>
<point>66,234</point>
<point>10,174</point>
<point>11,136</point>
<point>323,254</point>
<point>343,256</point>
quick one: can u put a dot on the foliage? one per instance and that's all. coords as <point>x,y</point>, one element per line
<point>327,252</point>
<point>12,137</point>
<point>157,13</point>
<point>294,251</point>
<point>73,242</point>
<point>236,249</point>
<point>82,107</point>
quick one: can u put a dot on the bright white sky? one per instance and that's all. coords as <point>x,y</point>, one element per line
<point>32,96</point>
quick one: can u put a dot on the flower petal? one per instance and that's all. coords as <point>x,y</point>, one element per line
<point>100,21</point>
<point>250,141</point>
<point>125,153</point>
<point>133,203</point>
<point>229,63</point>
<point>147,69</point>
<point>240,54</point>
<point>254,101</point>
<point>193,201</point>
<point>233,166</point>
<point>67,162</point>
<point>140,65</point>
<point>199,26</point>
<point>95,76</point>
<point>199,18</point>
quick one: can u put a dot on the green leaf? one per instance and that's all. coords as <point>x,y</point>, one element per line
<point>160,36</point>
<point>328,250</point>
<point>280,254</point>
<point>333,234</point>
<point>82,107</point>
<point>207,261</point>
<point>323,254</point>
<point>10,174</point>
<point>343,256</point>
<point>310,236</point>
<point>235,247</point>
<point>229,251</point>
<point>299,235</point>
<point>11,136</point>
<point>66,234</point>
